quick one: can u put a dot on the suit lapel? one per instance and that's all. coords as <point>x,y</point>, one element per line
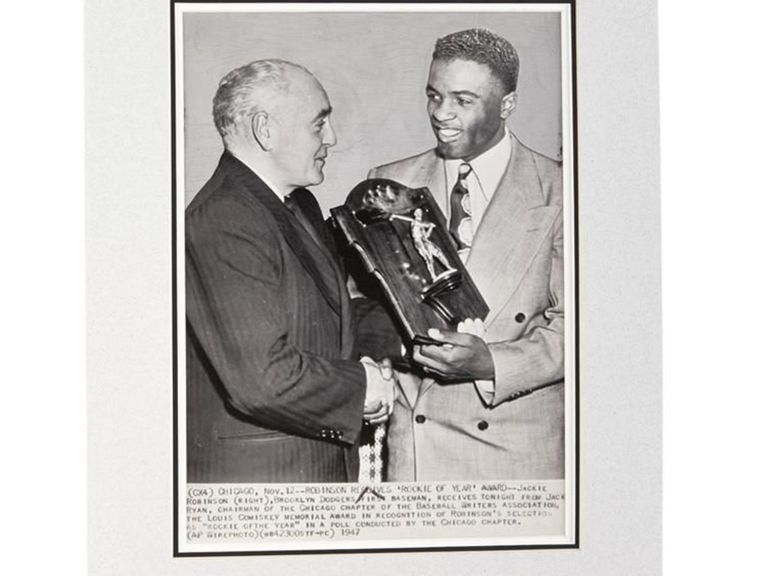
<point>311,209</point>
<point>511,231</point>
<point>434,176</point>
<point>313,257</point>
<point>430,173</point>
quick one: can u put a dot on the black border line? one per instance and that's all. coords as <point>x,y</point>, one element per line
<point>577,363</point>
<point>576,319</point>
<point>174,287</point>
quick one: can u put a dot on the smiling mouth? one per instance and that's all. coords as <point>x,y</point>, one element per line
<point>446,135</point>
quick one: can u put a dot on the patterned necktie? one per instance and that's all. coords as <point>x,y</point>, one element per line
<point>460,225</point>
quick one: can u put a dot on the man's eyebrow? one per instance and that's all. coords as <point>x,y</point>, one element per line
<point>465,93</point>
<point>323,113</point>
<point>430,88</point>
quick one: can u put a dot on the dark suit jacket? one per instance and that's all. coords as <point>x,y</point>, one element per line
<point>274,390</point>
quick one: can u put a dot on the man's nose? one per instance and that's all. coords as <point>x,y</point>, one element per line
<point>442,111</point>
<point>329,135</point>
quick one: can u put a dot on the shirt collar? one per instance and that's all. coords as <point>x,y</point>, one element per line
<point>280,194</point>
<point>272,187</point>
<point>489,167</point>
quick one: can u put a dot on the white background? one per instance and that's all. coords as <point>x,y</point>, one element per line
<point>715,218</point>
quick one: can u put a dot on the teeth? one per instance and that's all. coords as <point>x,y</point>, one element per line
<point>447,133</point>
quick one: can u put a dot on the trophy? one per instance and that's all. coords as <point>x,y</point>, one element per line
<point>400,237</point>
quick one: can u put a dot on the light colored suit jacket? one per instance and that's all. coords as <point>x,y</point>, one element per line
<point>449,431</point>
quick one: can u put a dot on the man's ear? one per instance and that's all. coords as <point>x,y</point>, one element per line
<point>260,130</point>
<point>508,104</point>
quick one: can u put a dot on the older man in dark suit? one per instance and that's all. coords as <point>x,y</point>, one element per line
<point>275,392</point>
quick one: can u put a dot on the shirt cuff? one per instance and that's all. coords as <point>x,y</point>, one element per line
<point>487,390</point>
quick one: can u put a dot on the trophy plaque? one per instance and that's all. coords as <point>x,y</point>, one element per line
<point>400,236</point>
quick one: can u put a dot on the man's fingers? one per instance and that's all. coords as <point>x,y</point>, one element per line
<point>383,410</point>
<point>379,419</point>
<point>418,355</point>
<point>438,353</point>
<point>473,326</point>
<point>373,406</point>
<point>479,328</point>
<point>466,327</point>
<point>385,367</point>
<point>427,362</point>
<point>436,334</point>
<point>450,338</point>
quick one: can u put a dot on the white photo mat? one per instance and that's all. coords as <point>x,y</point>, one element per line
<point>131,301</point>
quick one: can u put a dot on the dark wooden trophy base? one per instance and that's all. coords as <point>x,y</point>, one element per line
<point>400,236</point>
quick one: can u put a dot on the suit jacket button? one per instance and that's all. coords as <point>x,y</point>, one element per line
<point>420,418</point>
<point>482,425</point>
<point>519,317</point>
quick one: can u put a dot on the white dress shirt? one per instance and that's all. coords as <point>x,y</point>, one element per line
<point>487,171</point>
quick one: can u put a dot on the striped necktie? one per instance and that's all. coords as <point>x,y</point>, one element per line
<point>460,225</point>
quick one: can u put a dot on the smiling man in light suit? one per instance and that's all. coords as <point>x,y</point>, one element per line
<point>492,406</point>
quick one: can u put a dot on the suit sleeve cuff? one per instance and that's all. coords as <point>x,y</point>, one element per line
<point>487,390</point>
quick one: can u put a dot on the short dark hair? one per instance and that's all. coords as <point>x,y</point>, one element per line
<point>484,47</point>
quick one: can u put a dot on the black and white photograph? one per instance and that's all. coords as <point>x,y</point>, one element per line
<point>375,277</point>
